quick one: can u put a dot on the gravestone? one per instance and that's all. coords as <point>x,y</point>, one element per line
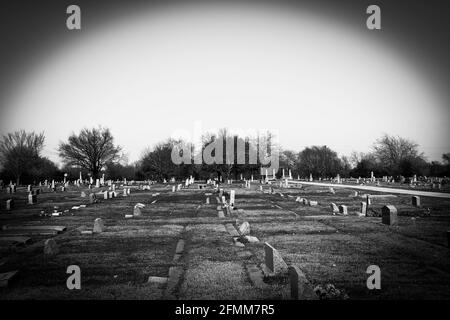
<point>389,215</point>
<point>363,208</point>
<point>173,188</point>
<point>137,209</point>
<point>9,204</point>
<point>105,195</point>
<point>343,210</point>
<point>232,196</point>
<point>92,198</point>
<point>50,247</point>
<point>313,203</point>
<point>415,201</point>
<point>244,228</point>
<point>334,207</point>
<point>273,260</point>
<point>99,225</point>
<point>32,199</point>
<point>207,200</point>
<point>368,200</point>
<point>297,282</point>
<point>332,190</point>
<point>29,188</point>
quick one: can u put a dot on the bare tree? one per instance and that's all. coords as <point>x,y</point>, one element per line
<point>91,150</point>
<point>392,151</point>
<point>19,151</point>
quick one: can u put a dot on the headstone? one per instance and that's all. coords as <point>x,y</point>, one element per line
<point>83,194</point>
<point>343,210</point>
<point>334,207</point>
<point>273,260</point>
<point>29,188</point>
<point>105,195</point>
<point>173,188</point>
<point>244,228</point>
<point>415,201</point>
<point>297,280</point>
<point>368,200</point>
<point>332,190</point>
<point>9,204</point>
<point>50,247</point>
<point>389,215</point>
<point>99,225</point>
<point>364,208</point>
<point>32,199</point>
<point>137,209</point>
<point>207,200</point>
<point>232,197</point>
<point>92,198</point>
<point>313,203</point>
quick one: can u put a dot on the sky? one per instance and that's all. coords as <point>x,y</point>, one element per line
<point>310,71</point>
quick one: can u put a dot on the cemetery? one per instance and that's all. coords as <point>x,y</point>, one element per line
<point>273,238</point>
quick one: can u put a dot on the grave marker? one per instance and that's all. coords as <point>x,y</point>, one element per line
<point>389,215</point>
<point>99,225</point>
<point>343,210</point>
<point>334,208</point>
<point>232,197</point>
<point>50,247</point>
<point>9,204</point>
<point>416,201</point>
<point>244,228</point>
<point>363,208</point>
<point>137,209</point>
<point>32,199</point>
<point>273,260</point>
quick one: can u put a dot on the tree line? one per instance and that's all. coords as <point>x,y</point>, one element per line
<point>94,152</point>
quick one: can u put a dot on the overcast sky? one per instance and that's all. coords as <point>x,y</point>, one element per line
<point>311,71</point>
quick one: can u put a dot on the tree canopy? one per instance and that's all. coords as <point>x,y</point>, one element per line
<point>91,149</point>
